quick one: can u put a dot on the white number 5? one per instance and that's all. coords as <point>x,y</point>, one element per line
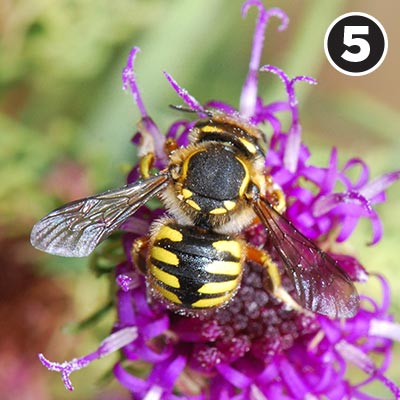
<point>362,44</point>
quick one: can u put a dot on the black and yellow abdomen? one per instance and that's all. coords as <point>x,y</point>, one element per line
<point>193,268</point>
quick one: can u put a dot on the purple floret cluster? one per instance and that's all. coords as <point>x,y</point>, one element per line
<point>256,347</point>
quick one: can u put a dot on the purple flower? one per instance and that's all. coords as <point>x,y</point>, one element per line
<point>256,347</point>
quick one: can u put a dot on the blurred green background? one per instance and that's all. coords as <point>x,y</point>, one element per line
<point>65,126</point>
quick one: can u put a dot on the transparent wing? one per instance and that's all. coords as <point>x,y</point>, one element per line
<point>320,284</point>
<point>75,229</point>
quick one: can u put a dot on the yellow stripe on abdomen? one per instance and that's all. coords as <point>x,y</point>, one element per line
<point>231,246</point>
<point>165,256</point>
<point>218,287</point>
<point>208,303</point>
<point>172,297</point>
<point>166,232</point>
<point>164,277</point>
<point>224,268</point>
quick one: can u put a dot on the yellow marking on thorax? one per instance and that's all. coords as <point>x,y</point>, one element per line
<point>218,287</point>
<point>211,128</point>
<point>165,277</point>
<point>249,146</point>
<point>193,204</point>
<point>185,165</point>
<point>218,211</point>
<point>172,297</point>
<point>230,246</point>
<point>165,256</point>
<point>166,232</point>
<point>246,179</point>
<point>187,193</point>
<point>224,267</point>
<point>229,204</point>
<point>208,303</point>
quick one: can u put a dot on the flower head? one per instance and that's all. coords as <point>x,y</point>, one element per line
<point>256,347</point>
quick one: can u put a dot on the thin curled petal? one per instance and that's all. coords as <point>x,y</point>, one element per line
<point>305,78</point>
<point>365,363</point>
<point>385,329</point>
<point>292,149</point>
<point>151,138</point>
<point>235,377</point>
<point>380,184</point>
<point>328,202</point>
<point>111,344</point>
<point>184,95</point>
<point>363,176</point>
<point>219,105</point>
<point>129,79</point>
<point>292,379</point>
<point>248,96</point>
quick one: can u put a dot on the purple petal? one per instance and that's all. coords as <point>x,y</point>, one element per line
<point>377,228</point>
<point>136,225</point>
<point>185,96</point>
<point>114,342</point>
<point>126,314</point>
<point>151,138</point>
<point>248,96</point>
<point>128,281</point>
<point>235,377</point>
<point>274,122</point>
<point>167,373</point>
<point>365,363</point>
<point>277,106</point>
<point>386,294</point>
<point>135,385</point>
<point>380,184</point>
<point>364,173</point>
<point>348,224</point>
<point>352,267</point>
<point>155,328</point>
<point>326,203</point>
<point>293,379</point>
<point>385,329</point>
<point>355,356</point>
<point>181,138</point>
<point>219,105</point>
<point>292,149</point>
<point>314,174</point>
<point>129,79</point>
<point>331,174</point>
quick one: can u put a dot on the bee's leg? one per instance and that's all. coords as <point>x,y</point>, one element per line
<point>145,164</point>
<point>146,147</point>
<point>277,290</point>
<point>146,160</point>
<point>275,195</point>
<point>139,253</point>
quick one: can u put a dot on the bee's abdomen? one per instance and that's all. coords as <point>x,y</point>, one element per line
<point>194,268</point>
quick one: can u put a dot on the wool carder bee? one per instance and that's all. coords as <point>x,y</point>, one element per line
<point>212,190</point>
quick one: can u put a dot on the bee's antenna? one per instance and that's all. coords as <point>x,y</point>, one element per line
<point>209,113</point>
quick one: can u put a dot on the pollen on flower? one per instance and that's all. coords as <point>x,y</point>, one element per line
<point>254,323</point>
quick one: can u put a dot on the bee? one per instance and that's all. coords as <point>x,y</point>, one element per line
<point>212,190</point>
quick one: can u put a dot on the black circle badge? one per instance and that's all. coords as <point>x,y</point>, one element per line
<point>356,43</point>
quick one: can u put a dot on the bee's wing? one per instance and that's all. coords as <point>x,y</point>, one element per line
<point>75,229</point>
<point>320,284</point>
